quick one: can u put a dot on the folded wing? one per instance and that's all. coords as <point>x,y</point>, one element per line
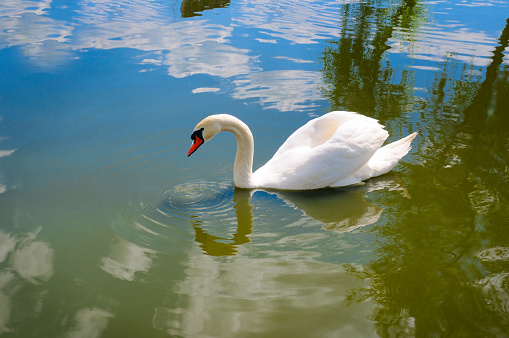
<point>322,152</point>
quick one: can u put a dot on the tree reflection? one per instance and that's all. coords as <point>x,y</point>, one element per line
<point>426,277</point>
<point>361,80</point>
<point>191,8</point>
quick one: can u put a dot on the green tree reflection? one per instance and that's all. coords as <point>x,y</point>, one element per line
<point>434,272</point>
<point>359,78</point>
<point>190,8</point>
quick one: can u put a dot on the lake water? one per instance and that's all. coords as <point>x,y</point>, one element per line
<point>108,229</point>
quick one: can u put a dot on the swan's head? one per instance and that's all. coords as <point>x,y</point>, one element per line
<point>205,131</point>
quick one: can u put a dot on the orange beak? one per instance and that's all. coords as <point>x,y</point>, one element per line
<point>197,142</point>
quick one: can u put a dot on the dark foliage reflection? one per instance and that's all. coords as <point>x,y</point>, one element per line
<point>191,8</point>
<point>435,271</point>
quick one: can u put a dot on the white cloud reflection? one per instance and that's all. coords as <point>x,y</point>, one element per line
<point>34,261</point>
<point>243,296</point>
<point>90,323</point>
<point>25,259</point>
<point>5,153</point>
<point>285,90</point>
<point>17,7</point>
<point>186,48</point>
<point>126,259</point>
<point>302,22</point>
<point>209,58</point>
<point>7,244</point>
<point>25,24</point>
<point>433,43</point>
<point>5,301</point>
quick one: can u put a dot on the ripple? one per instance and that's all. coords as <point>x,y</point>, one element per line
<point>197,198</point>
<point>167,220</point>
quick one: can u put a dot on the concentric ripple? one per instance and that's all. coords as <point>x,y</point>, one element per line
<point>171,218</point>
<point>193,199</point>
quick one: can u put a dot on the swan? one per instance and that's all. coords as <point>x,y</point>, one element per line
<point>337,149</point>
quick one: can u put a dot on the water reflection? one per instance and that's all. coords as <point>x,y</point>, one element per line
<point>32,260</point>
<point>343,210</point>
<point>273,295</point>
<point>185,48</point>
<point>126,259</point>
<point>213,245</point>
<point>339,210</point>
<point>5,301</point>
<point>24,24</point>
<point>190,8</point>
<point>27,264</point>
<point>3,187</point>
<point>425,278</point>
<point>300,89</point>
<point>301,22</point>
<point>89,322</point>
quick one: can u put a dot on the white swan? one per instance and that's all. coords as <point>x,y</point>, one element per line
<point>337,149</point>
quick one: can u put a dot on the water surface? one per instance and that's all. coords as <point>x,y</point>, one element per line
<point>108,229</point>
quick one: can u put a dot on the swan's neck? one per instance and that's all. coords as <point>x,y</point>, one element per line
<point>243,167</point>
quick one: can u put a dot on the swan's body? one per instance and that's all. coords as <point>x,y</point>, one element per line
<point>337,149</point>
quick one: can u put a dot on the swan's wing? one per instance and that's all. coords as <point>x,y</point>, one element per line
<point>305,167</point>
<point>317,131</point>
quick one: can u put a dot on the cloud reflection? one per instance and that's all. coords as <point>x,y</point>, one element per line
<point>302,22</point>
<point>7,244</point>
<point>34,261</point>
<point>90,323</point>
<point>495,288</point>
<point>232,298</point>
<point>126,259</point>
<point>3,188</point>
<point>16,7</point>
<point>186,48</point>
<point>25,24</point>
<point>26,260</point>
<point>434,43</point>
<point>285,90</point>
<point>5,301</point>
<point>211,58</point>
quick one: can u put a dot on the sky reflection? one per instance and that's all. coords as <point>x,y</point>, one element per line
<point>126,259</point>
<point>24,259</point>
<point>187,47</point>
<point>243,296</point>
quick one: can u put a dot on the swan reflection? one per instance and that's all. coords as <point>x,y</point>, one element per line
<point>339,210</point>
<point>211,244</point>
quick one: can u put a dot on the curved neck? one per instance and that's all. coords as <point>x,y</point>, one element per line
<point>243,167</point>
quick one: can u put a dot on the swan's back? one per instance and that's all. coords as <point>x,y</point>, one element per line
<point>317,131</point>
<point>324,151</point>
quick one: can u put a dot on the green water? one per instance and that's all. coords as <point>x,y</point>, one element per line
<point>108,229</point>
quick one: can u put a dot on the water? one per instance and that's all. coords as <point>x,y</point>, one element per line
<point>108,229</point>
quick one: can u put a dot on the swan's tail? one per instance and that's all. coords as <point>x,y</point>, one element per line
<point>386,158</point>
<point>401,146</point>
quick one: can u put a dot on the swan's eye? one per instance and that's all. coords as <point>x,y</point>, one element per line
<point>197,134</point>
